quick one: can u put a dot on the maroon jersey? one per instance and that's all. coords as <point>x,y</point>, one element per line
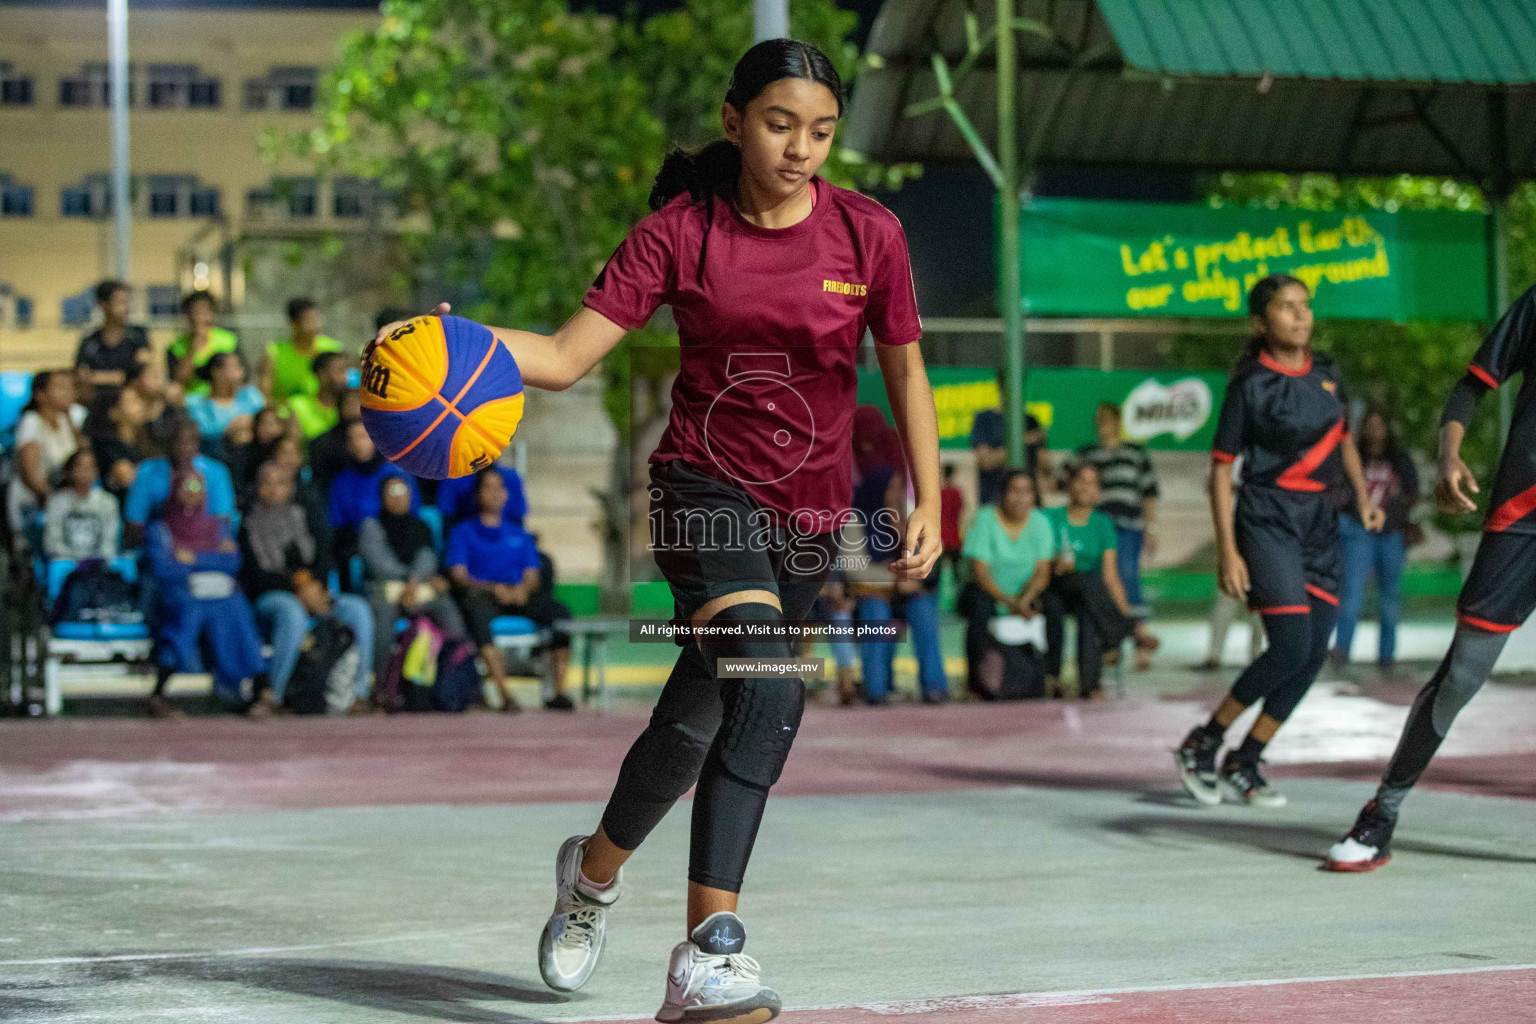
<point>770,322</point>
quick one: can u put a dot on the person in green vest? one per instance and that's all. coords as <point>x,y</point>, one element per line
<point>200,342</point>
<point>287,370</point>
<point>320,412</point>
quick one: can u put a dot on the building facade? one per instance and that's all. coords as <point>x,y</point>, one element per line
<point>204,85</point>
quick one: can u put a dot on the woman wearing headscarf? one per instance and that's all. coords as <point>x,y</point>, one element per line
<point>354,494</point>
<point>194,560</point>
<point>403,568</point>
<point>283,573</point>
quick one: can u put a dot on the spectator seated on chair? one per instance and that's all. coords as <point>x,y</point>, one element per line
<point>1008,550</point>
<point>81,521</point>
<point>879,502</point>
<point>354,494</point>
<point>1085,582</point>
<point>152,484</point>
<point>282,573</point>
<point>320,410</point>
<point>118,432</point>
<point>47,434</point>
<point>328,452</point>
<point>456,498</point>
<point>194,561</point>
<point>268,427</point>
<point>494,568</point>
<point>403,570</point>
<point>224,412</point>
<point>192,350</point>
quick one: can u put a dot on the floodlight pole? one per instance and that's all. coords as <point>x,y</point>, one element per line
<point>117,72</point>
<point>770,20</point>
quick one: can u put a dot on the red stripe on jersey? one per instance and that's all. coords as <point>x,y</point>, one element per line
<point>1483,375</point>
<point>1322,595</point>
<point>1285,609</point>
<point>1265,360</point>
<point>1299,476</point>
<point>1512,511</point>
<point>1492,627</point>
<point>1217,455</point>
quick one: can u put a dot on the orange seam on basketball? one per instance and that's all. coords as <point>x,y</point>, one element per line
<point>484,362</point>
<point>440,417</point>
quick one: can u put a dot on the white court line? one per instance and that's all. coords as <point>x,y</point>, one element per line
<point>1073,997</point>
<point>252,951</point>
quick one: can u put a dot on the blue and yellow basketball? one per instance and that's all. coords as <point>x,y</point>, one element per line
<point>441,397</point>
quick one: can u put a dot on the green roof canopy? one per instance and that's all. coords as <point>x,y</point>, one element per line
<point>1348,86</point>
<point>1487,42</point>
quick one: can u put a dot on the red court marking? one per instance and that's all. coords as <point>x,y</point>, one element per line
<point>119,767</point>
<point>1494,995</point>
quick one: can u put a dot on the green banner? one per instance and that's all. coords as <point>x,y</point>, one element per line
<point>1175,410</point>
<point>1172,411</point>
<point>959,393</point>
<point>1095,258</point>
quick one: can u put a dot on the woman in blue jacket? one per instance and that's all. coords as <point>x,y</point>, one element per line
<point>194,559</point>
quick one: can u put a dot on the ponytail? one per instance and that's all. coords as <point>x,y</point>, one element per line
<point>718,164</point>
<point>700,173</point>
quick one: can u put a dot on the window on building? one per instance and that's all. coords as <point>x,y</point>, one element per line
<point>90,197</point>
<point>15,88</point>
<point>356,197</point>
<point>284,198</point>
<point>165,196</point>
<point>175,86</point>
<point>23,311</point>
<point>283,88</point>
<point>15,200</point>
<point>205,202</point>
<point>164,301</point>
<point>76,309</point>
<point>92,87</point>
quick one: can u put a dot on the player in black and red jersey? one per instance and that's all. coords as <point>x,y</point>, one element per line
<point>1500,592</point>
<point>1284,415</point>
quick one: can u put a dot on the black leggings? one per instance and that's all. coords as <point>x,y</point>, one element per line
<point>1100,626</point>
<point>732,736</point>
<point>1281,676</point>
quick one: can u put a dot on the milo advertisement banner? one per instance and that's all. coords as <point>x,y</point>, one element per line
<point>1099,258</point>
<point>1174,410</point>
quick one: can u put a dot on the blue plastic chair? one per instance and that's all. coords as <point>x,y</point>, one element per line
<point>433,517</point>
<point>15,389</point>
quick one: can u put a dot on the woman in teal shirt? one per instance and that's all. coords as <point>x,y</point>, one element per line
<point>1009,549</point>
<point>1085,583</point>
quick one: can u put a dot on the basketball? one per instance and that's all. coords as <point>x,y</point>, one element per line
<point>441,397</point>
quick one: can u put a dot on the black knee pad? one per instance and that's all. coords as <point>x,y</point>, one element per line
<point>671,756</point>
<point>761,715</point>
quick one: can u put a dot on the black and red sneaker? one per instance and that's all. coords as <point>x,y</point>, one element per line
<point>1366,846</point>
<point>1195,760</point>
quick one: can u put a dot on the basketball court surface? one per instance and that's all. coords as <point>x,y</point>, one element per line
<point>964,864</point>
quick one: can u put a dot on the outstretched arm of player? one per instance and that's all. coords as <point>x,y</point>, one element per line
<point>1371,517</point>
<point>552,362</point>
<point>917,421</point>
<point>1453,478</point>
<point>1231,570</point>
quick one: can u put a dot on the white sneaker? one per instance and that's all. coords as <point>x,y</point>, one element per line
<point>572,940</point>
<point>710,979</point>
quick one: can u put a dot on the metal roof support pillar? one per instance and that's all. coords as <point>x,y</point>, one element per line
<point>1499,186</point>
<point>1010,256</point>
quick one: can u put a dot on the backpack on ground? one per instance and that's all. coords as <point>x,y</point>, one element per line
<point>413,662</point>
<point>95,592</point>
<point>322,680</point>
<point>457,682</point>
